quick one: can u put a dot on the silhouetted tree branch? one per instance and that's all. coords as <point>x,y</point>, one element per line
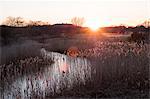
<point>77,21</point>
<point>14,21</point>
<point>37,23</point>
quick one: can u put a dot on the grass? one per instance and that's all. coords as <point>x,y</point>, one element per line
<point>118,69</point>
<point>122,70</point>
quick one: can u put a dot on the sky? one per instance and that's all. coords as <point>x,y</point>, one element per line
<point>95,12</point>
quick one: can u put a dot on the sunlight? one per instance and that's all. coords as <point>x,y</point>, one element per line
<point>93,26</point>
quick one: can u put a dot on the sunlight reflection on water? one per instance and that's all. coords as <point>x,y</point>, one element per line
<point>63,73</point>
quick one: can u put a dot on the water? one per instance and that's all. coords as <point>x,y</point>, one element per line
<point>62,74</point>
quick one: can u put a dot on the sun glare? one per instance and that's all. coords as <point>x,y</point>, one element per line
<point>94,27</point>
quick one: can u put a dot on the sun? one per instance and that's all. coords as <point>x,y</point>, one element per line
<point>93,26</point>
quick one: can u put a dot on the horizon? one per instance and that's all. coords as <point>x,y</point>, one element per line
<point>74,49</point>
<point>98,13</point>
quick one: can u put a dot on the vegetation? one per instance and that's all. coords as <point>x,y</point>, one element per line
<point>118,69</point>
<point>11,34</point>
<point>74,64</point>
<point>77,21</point>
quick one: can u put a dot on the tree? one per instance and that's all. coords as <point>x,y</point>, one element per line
<point>37,23</point>
<point>146,23</point>
<point>77,21</point>
<point>14,21</point>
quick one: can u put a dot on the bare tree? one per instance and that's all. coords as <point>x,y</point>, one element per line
<point>14,21</point>
<point>37,23</point>
<point>77,21</point>
<point>146,23</point>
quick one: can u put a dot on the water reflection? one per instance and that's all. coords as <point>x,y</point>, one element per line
<point>63,73</point>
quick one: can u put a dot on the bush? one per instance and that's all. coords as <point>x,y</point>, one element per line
<point>140,37</point>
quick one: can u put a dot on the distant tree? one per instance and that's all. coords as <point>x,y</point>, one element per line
<point>37,23</point>
<point>77,21</point>
<point>146,23</point>
<point>14,21</point>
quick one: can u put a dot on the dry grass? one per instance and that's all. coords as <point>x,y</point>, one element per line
<point>119,69</point>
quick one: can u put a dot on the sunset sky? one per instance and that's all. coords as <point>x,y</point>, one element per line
<point>95,12</point>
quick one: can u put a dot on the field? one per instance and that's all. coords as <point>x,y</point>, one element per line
<point>106,67</point>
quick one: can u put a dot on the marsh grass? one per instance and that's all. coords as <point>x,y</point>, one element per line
<point>118,69</point>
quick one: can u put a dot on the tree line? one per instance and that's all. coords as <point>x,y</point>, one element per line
<point>20,22</point>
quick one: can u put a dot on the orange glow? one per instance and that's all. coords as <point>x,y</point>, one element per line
<point>93,26</point>
<point>73,51</point>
